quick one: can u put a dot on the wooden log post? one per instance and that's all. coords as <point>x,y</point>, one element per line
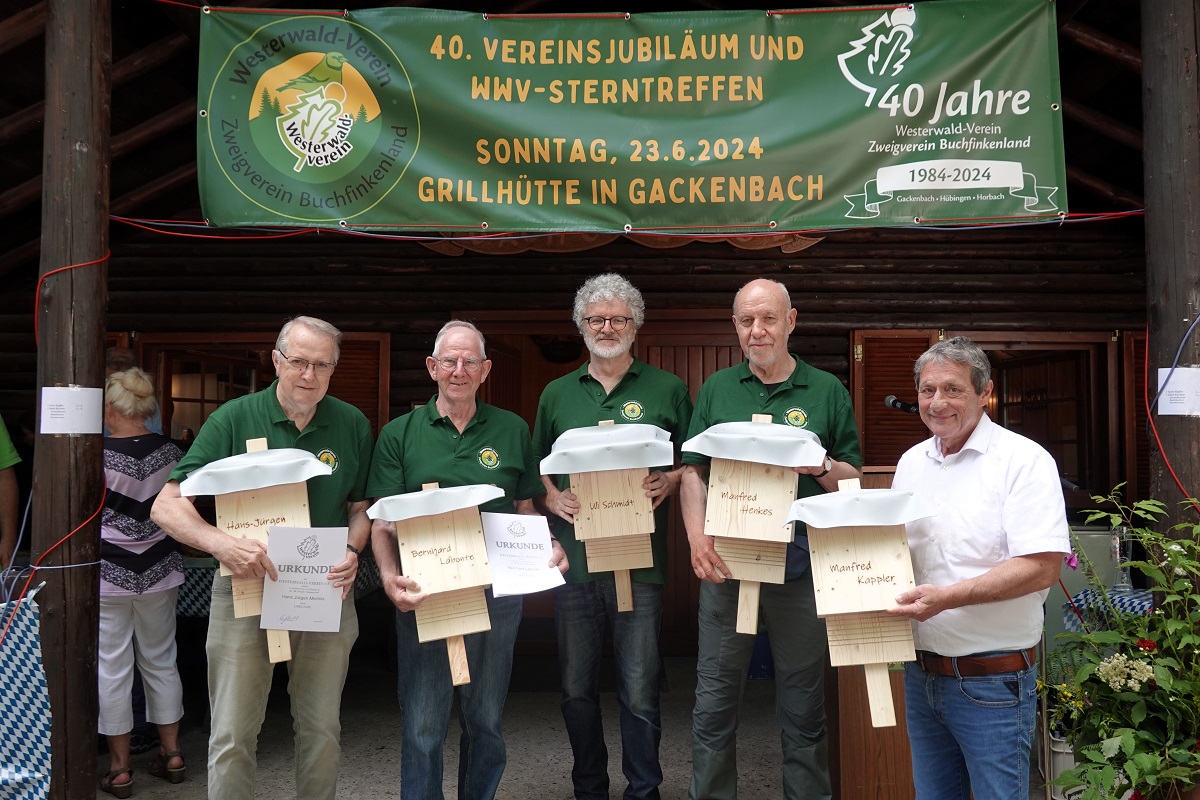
<point>1171,112</point>
<point>68,470</point>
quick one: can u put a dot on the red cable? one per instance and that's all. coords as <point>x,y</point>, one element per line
<point>38,290</point>
<point>226,237</point>
<point>38,563</point>
<point>1154,428</point>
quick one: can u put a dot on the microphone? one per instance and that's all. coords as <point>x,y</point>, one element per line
<point>891,401</point>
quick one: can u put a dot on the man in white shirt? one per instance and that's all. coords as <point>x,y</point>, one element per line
<point>983,567</point>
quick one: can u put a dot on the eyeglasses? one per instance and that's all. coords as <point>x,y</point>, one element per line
<point>451,364</point>
<point>322,369</point>
<point>617,323</point>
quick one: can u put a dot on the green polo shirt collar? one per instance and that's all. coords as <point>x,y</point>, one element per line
<point>799,376</point>
<point>634,370</point>
<point>435,417</point>
<point>278,416</point>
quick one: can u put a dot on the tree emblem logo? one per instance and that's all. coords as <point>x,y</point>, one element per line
<point>517,529</point>
<point>309,109</point>
<point>311,119</point>
<point>879,55</point>
<point>308,547</point>
<point>633,411</point>
<point>796,417</point>
<point>329,459</point>
<point>489,458</point>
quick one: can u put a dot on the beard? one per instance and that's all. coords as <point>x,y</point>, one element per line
<point>608,348</point>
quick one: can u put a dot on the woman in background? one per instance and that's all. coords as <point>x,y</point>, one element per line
<point>140,573</point>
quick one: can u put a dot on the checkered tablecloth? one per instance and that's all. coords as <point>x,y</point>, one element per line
<point>195,594</point>
<point>1135,602</point>
<point>24,706</point>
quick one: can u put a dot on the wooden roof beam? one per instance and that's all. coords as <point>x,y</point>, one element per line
<point>1108,46</point>
<point>27,119</point>
<point>30,191</point>
<point>144,194</point>
<point>22,26</point>
<point>1103,124</point>
<point>1104,189</point>
<point>182,176</point>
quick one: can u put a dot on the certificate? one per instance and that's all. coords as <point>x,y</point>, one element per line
<point>303,599</point>
<point>519,551</point>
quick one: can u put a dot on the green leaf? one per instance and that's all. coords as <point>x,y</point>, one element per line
<point>1138,712</point>
<point>1109,747</point>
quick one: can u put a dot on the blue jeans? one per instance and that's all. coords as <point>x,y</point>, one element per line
<point>426,693</point>
<point>970,735</point>
<point>581,614</point>
<point>788,611</point>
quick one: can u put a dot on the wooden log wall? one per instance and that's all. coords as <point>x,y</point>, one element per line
<point>1074,278</point>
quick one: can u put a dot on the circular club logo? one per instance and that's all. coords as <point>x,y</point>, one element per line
<point>329,458</point>
<point>633,411</point>
<point>489,458</point>
<point>796,417</point>
<point>311,118</point>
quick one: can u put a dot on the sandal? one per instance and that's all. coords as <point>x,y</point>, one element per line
<point>121,790</point>
<point>160,766</point>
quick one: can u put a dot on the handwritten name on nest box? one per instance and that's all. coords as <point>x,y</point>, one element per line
<point>444,552</point>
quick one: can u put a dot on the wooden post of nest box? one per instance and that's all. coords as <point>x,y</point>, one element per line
<point>614,522</point>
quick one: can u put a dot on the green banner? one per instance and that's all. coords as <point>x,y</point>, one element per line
<point>400,119</point>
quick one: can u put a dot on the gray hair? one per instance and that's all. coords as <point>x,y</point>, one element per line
<point>787,297</point>
<point>959,350</point>
<point>606,287</point>
<point>459,323</point>
<point>131,394</point>
<point>316,326</point>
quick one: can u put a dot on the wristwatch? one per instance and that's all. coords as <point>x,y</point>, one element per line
<point>828,466</point>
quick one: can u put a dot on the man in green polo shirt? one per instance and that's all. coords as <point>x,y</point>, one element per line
<point>776,382</point>
<point>294,411</point>
<point>611,385</point>
<point>454,440</point>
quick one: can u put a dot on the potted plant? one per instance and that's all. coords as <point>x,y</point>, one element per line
<point>1131,711</point>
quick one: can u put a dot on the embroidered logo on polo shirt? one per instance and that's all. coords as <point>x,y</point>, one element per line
<point>489,458</point>
<point>796,417</point>
<point>633,411</point>
<point>329,458</point>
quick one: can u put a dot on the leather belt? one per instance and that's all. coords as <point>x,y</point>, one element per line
<point>976,666</point>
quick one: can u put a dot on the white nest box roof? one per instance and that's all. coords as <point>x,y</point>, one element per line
<point>861,507</point>
<point>760,443</point>
<point>433,501</point>
<point>256,470</point>
<point>602,447</point>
